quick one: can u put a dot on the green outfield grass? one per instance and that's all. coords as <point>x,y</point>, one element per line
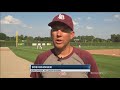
<point>109,66</point>
<point>28,52</point>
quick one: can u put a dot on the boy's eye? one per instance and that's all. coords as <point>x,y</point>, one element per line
<point>66,30</point>
<point>54,29</point>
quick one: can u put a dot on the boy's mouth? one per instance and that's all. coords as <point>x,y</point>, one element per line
<point>59,41</point>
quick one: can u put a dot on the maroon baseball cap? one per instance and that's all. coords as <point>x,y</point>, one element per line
<point>63,18</point>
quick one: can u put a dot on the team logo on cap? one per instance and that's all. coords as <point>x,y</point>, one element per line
<point>61,17</point>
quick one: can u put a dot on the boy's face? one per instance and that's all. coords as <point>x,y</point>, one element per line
<point>61,35</point>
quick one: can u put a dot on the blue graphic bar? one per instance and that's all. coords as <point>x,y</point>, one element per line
<point>40,66</point>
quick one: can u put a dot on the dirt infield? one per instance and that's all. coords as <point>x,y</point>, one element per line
<point>12,66</point>
<point>111,52</point>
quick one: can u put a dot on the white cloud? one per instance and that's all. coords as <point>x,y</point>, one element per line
<point>88,18</point>
<point>108,20</point>
<point>24,25</point>
<point>79,18</point>
<point>29,27</point>
<point>88,27</point>
<point>11,20</point>
<point>117,16</point>
<point>75,22</point>
<point>113,18</point>
<point>49,28</point>
<point>7,30</point>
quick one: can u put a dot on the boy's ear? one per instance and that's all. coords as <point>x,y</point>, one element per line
<point>51,33</point>
<point>72,34</point>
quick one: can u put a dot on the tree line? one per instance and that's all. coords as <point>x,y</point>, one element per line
<point>114,38</point>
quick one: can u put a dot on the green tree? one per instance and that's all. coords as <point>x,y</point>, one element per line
<point>2,36</point>
<point>115,38</point>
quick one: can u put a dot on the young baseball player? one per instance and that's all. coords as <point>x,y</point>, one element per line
<point>63,53</point>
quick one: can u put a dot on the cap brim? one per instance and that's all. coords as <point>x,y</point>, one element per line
<point>54,22</point>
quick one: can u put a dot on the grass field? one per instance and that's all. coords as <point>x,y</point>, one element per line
<point>109,66</point>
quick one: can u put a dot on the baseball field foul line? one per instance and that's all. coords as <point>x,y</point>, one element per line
<point>13,66</point>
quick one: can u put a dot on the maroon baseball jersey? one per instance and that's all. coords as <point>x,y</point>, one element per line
<point>76,57</point>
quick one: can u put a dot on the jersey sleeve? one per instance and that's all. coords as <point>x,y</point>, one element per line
<point>36,74</point>
<point>40,60</point>
<point>88,59</point>
<point>94,72</point>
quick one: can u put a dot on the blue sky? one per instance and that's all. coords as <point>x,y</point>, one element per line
<point>98,24</point>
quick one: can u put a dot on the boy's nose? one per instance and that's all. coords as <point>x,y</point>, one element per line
<point>59,32</point>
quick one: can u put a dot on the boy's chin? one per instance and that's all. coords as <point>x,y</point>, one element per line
<point>58,46</point>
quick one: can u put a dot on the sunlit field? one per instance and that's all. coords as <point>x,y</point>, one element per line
<point>108,65</point>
